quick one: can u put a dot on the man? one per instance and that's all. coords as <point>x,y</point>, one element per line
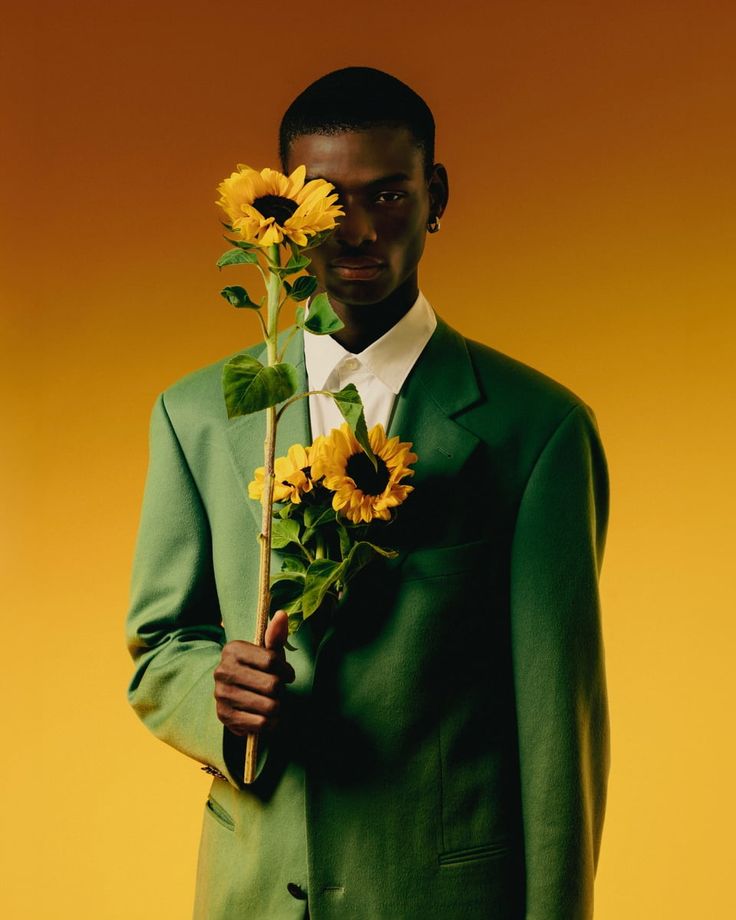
<point>439,747</point>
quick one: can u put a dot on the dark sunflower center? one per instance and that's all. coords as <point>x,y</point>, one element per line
<point>360,469</point>
<point>275,206</point>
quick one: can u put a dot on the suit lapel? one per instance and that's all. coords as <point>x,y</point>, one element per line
<point>247,433</point>
<point>441,384</point>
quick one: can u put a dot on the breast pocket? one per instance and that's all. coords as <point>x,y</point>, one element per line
<point>443,561</point>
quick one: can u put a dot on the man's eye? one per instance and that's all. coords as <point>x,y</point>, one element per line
<point>389,197</point>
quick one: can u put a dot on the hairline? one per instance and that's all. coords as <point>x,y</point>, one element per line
<point>332,130</point>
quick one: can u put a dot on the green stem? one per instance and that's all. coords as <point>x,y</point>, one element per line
<point>263,325</point>
<point>290,402</point>
<point>289,337</point>
<point>273,287</point>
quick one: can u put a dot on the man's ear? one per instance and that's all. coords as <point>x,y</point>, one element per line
<point>439,190</point>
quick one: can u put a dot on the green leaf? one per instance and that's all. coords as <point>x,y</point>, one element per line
<point>359,556</point>
<point>238,297</point>
<point>236,256</point>
<point>294,265</point>
<point>272,385</point>
<point>315,515</point>
<point>295,621</point>
<point>249,386</point>
<point>324,574</point>
<point>303,287</point>
<point>241,244</point>
<point>237,376</point>
<point>322,319</point>
<point>284,532</point>
<point>344,538</point>
<point>321,575</point>
<point>304,589</point>
<point>293,564</point>
<point>286,594</point>
<point>351,407</point>
<point>296,577</point>
<point>299,316</point>
<point>298,263</point>
<point>318,239</point>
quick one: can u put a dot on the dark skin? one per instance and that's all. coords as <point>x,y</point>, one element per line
<point>369,268</point>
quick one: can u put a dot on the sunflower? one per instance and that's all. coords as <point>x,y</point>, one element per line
<point>292,475</point>
<point>265,207</point>
<point>363,493</point>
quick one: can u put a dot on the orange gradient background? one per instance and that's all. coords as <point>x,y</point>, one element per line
<point>590,233</point>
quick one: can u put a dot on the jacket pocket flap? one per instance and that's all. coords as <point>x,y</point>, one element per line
<point>219,814</point>
<point>436,561</point>
<point>487,851</point>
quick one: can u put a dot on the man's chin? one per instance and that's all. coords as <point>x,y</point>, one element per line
<point>358,293</point>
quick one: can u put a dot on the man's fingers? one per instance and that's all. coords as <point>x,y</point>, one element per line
<point>249,680</point>
<point>247,723</point>
<point>277,631</point>
<point>234,699</point>
<point>267,683</point>
<point>238,655</point>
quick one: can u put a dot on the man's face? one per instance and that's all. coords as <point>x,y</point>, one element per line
<point>387,199</point>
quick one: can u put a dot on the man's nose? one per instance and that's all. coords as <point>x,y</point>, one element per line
<point>356,227</point>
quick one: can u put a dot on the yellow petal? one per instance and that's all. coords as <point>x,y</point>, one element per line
<point>298,237</point>
<point>297,180</point>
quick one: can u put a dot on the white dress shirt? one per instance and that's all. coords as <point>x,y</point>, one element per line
<point>378,371</point>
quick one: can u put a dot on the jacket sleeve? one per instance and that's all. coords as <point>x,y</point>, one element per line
<point>559,673</point>
<point>173,628</point>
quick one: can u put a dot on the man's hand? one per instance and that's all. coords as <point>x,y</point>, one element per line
<point>249,680</point>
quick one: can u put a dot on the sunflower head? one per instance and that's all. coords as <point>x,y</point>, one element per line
<point>362,492</point>
<point>292,475</point>
<point>267,207</point>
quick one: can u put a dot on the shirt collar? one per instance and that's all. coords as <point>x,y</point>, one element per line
<point>389,358</point>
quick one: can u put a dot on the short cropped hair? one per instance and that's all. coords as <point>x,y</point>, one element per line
<point>354,99</point>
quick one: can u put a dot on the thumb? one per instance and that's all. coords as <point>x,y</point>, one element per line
<point>277,631</point>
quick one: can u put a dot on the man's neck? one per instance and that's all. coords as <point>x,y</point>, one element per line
<point>366,323</point>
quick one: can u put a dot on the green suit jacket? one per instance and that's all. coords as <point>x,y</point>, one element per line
<point>444,751</point>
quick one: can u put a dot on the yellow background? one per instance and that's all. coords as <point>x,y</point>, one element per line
<point>590,233</point>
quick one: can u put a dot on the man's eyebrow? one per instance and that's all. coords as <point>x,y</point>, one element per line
<point>382,180</point>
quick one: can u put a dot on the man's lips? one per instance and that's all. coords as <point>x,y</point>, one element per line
<point>356,269</point>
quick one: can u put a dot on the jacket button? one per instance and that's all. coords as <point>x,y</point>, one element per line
<point>296,891</point>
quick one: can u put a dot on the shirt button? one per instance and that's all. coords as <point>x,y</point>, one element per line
<point>351,364</point>
<point>296,891</point>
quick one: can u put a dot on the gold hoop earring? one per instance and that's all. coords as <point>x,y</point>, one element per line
<point>434,225</point>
